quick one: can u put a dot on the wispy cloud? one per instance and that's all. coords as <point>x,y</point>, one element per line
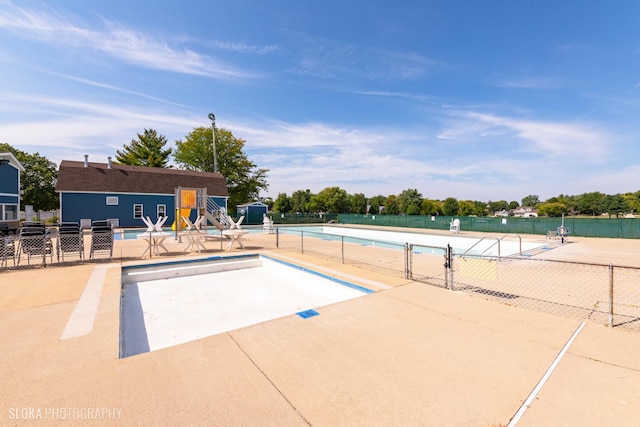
<point>411,96</point>
<point>244,47</point>
<point>330,59</point>
<point>116,40</point>
<point>66,127</point>
<point>527,83</point>
<point>113,88</point>
<point>558,140</point>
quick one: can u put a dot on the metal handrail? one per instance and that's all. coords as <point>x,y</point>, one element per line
<point>482,239</point>
<point>217,212</point>
<point>519,240</point>
<point>498,240</point>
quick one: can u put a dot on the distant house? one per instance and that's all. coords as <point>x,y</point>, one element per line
<point>124,194</point>
<point>504,212</point>
<point>253,212</point>
<point>525,212</point>
<point>10,169</point>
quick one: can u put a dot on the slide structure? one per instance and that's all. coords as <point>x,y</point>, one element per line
<point>215,222</point>
<point>183,212</point>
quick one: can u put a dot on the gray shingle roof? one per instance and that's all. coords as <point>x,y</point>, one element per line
<point>98,177</point>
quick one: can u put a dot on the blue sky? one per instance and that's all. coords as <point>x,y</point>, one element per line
<point>492,100</point>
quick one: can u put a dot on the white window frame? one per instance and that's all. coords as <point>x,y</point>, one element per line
<point>159,208</point>
<point>7,208</point>
<point>112,201</point>
<point>137,206</point>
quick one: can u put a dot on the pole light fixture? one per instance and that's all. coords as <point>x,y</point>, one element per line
<point>212,117</point>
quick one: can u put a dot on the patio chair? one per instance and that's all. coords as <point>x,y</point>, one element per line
<point>70,240</point>
<point>7,251</point>
<point>101,238</point>
<point>35,240</point>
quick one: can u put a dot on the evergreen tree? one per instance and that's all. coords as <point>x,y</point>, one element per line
<point>147,150</point>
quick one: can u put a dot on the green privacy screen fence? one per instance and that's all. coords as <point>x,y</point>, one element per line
<point>628,228</point>
<point>289,218</point>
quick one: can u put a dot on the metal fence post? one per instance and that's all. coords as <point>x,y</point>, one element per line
<point>610,295</point>
<point>446,268</point>
<point>278,237</point>
<point>407,266</point>
<point>450,265</point>
<point>342,248</point>
<point>302,241</point>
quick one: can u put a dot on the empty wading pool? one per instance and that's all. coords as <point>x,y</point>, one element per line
<point>167,304</point>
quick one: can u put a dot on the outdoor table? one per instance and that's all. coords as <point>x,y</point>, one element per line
<point>235,236</point>
<point>195,240</point>
<point>155,241</point>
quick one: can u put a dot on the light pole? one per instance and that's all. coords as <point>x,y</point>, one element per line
<point>212,117</point>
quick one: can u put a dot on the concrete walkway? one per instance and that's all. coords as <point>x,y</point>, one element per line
<point>407,355</point>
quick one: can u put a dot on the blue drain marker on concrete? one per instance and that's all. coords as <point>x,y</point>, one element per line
<point>307,313</point>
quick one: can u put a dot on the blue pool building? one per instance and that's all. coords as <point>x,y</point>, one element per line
<point>124,194</point>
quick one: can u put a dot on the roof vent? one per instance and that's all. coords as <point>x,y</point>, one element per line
<point>86,160</point>
<point>109,162</point>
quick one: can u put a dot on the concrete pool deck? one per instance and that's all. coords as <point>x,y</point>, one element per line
<point>408,354</point>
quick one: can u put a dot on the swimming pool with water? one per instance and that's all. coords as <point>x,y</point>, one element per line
<point>470,245</point>
<point>428,243</point>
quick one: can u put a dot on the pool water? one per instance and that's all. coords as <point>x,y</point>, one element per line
<point>429,243</point>
<point>423,242</point>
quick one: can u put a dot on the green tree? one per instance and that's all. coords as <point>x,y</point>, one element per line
<point>552,209</point>
<point>470,207</point>
<point>410,201</point>
<point>497,206</point>
<point>391,205</point>
<point>38,181</point>
<point>147,150</point>
<point>430,207</point>
<point>300,200</point>
<point>591,203</point>
<point>244,179</point>
<point>616,205</point>
<point>282,203</point>
<point>375,203</point>
<point>633,200</point>
<point>330,200</point>
<point>450,206</point>
<point>480,208</point>
<point>466,208</point>
<point>358,203</point>
<point>513,204</point>
<point>530,200</point>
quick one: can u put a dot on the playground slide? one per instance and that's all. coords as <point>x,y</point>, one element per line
<point>183,212</point>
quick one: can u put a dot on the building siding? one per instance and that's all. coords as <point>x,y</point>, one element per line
<point>9,181</point>
<point>75,206</point>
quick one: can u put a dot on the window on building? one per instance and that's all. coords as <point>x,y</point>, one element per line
<point>9,212</point>
<point>112,200</point>
<point>137,211</point>
<point>161,210</point>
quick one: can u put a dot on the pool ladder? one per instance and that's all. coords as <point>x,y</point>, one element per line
<point>498,240</point>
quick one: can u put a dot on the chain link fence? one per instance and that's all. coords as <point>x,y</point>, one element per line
<point>628,228</point>
<point>605,294</point>
<point>379,256</point>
